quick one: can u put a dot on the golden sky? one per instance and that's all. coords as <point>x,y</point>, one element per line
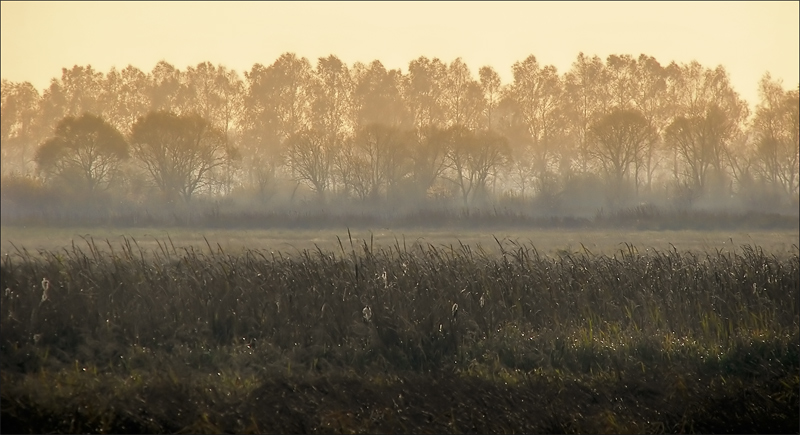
<point>748,38</point>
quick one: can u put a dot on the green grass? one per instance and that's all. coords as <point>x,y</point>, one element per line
<point>374,337</point>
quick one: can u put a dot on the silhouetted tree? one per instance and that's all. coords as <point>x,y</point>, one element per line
<point>332,108</point>
<point>125,97</point>
<point>492,89</point>
<point>490,153</point>
<point>77,91</point>
<point>617,141</point>
<point>381,159</point>
<point>699,144</point>
<point>696,119</point>
<point>512,126</point>
<point>377,96</point>
<point>332,97</point>
<point>776,125</point>
<point>586,96</point>
<point>428,150</point>
<point>463,100</point>
<point>85,152</point>
<point>20,131</point>
<point>537,93</point>
<point>310,157</point>
<point>166,93</point>
<point>619,74</point>
<point>179,153</point>
<point>472,158</point>
<point>648,96</point>
<point>277,104</point>
<point>424,91</point>
<point>214,93</point>
<point>709,115</point>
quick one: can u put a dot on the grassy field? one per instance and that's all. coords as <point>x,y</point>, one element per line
<point>184,331</point>
<point>289,242</point>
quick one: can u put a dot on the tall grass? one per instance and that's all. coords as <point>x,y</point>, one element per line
<point>419,310</point>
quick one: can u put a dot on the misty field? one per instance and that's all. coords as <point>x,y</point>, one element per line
<point>293,241</point>
<point>165,331</point>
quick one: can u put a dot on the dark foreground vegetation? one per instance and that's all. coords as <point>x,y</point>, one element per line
<point>413,339</point>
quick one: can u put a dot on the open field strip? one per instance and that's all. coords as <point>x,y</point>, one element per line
<point>288,242</point>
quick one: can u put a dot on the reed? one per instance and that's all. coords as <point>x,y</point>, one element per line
<point>218,328</point>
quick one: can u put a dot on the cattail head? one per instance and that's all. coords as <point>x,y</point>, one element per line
<point>367,312</point>
<point>45,289</point>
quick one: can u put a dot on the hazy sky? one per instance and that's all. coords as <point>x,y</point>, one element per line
<point>748,38</point>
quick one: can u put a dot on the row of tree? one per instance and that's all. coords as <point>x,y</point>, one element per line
<point>179,155</point>
<point>367,132</point>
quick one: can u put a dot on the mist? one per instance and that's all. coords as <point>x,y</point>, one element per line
<point>434,314</point>
<point>294,141</point>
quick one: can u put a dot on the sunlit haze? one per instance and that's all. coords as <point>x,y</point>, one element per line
<point>747,38</point>
<point>400,217</point>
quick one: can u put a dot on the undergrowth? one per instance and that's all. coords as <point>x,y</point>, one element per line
<point>405,339</point>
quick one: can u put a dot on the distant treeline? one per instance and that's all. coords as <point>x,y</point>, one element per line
<point>603,134</point>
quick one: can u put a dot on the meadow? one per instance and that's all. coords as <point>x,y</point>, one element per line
<point>289,241</point>
<point>365,331</point>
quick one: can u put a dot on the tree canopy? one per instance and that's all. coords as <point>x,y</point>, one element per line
<point>361,131</point>
<point>85,150</point>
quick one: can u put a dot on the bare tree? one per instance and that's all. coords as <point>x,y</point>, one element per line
<point>428,151</point>
<point>382,156</point>
<point>472,158</point>
<point>490,154</point>
<point>310,158</point>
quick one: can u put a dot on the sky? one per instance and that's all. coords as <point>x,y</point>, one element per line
<point>747,38</point>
